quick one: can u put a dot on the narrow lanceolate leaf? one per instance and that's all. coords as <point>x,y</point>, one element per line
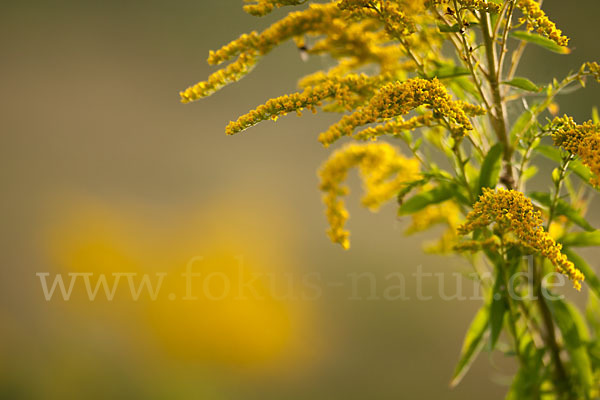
<point>519,125</point>
<point>580,239</point>
<point>591,278</point>
<point>422,200</point>
<point>490,168</point>
<point>577,167</point>
<point>592,313</point>
<point>409,187</point>
<point>523,83</point>
<point>540,41</point>
<point>472,345</point>
<point>562,208</point>
<point>569,323</point>
<point>497,311</point>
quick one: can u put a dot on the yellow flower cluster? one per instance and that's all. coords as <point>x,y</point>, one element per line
<point>359,43</point>
<point>360,7</point>
<point>537,20</point>
<point>412,7</point>
<point>345,91</point>
<point>594,69</point>
<point>446,213</point>
<point>384,172</point>
<point>397,23</point>
<point>408,7</point>
<point>479,5</point>
<point>396,127</point>
<point>317,19</point>
<point>474,246</point>
<point>513,213</point>
<point>471,109</point>
<point>582,140</point>
<point>264,7</point>
<point>232,73</point>
<point>399,98</point>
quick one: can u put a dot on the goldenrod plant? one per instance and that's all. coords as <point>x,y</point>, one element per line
<point>419,84</point>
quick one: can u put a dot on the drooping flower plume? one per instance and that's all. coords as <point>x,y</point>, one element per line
<point>263,7</point>
<point>384,172</point>
<point>399,98</point>
<point>513,213</point>
<point>538,21</point>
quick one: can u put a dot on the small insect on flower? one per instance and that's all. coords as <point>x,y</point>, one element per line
<point>303,53</point>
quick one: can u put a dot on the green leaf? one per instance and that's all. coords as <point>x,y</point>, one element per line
<point>577,167</point>
<point>422,200</point>
<point>497,310</point>
<point>569,323</point>
<point>523,83</point>
<point>472,345</point>
<point>520,124</point>
<point>448,71</point>
<point>490,167</point>
<point>591,279</point>
<point>529,173</point>
<point>540,41</point>
<point>409,188</point>
<point>562,208</point>
<point>580,239</point>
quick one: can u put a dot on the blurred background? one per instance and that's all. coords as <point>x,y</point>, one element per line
<point>104,171</point>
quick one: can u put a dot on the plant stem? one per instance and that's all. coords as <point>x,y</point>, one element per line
<point>562,382</point>
<point>557,187</point>
<point>498,117</point>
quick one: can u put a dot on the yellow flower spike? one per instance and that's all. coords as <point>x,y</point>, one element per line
<point>581,140</point>
<point>474,246</point>
<point>346,92</point>
<point>360,43</point>
<point>384,172</point>
<point>512,212</point>
<point>446,214</point>
<point>399,98</point>
<point>594,68</point>
<point>232,73</point>
<point>479,5</point>
<point>316,19</point>
<point>264,7</point>
<point>537,20</point>
<point>396,127</point>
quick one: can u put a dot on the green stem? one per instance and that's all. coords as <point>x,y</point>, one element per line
<point>557,187</point>
<point>498,117</point>
<point>562,379</point>
<point>512,319</point>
